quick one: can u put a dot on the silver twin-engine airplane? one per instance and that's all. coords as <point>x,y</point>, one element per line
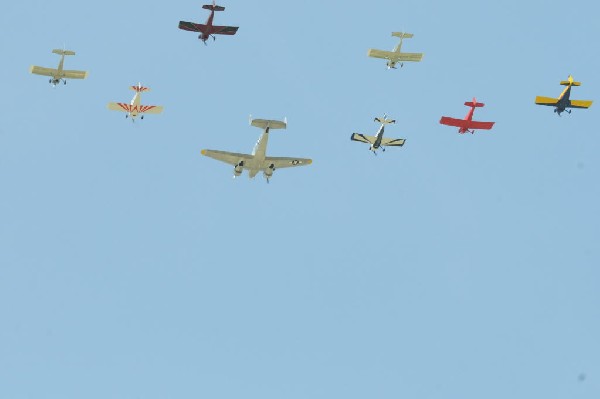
<point>258,160</point>
<point>378,141</point>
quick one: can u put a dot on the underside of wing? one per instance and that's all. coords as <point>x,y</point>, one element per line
<point>392,142</point>
<point>480,125</point>
<point>286,162</point>
<point>43,71</point>
<point>453,122</point>
<point>231,158</point>
<point>75,74</point>
<point>224,30</point>
<point>123,107</point>
<point>150,109</point>
<point>190,26</point>
<point>546,101</point>
<point>415,57</point>
<point>363,138</point>
<point>379,53</point>
<point>580,104</point>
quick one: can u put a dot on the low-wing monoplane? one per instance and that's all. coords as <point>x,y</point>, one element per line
<point>378,141</point>
<point>396,55</point>
<point>563,101</point>
<point>59,74</point>
<point>135,108</point>
<point>467,125</point>
<point>258,160</point>
<point>207,30</point>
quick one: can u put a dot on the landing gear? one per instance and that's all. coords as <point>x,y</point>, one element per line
<point>65,81</point>
<point>142,117</point>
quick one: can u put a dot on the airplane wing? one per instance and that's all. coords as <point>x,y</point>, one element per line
<point>43,71</point>
<point>453,122</point>
<point>123,107</point>
<point>192,27</point>
<point>150,109</point>
<point>363,138</point>
<point>232,158</point>
<point>75,74</point>
<point>480,125</point>
<point>224,30</point>
<point>546,101</point>
<point>392,142</point>
<point>285,162</point>
<point>415,57</point>
<point>379,53</point>
<point>580,104</point>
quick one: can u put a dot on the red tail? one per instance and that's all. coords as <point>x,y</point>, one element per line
<point>139,88</point>
<point>474,103</point>
<point>213,7</point>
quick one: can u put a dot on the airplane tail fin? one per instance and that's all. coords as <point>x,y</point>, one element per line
<point>139,88</point>
<point>474,103</point>
<point>402,35</point>
<point>63,52</point>
<point>570,82</point>
<point>384,120</point>
<point>213,7</point>
<point>267,123</point>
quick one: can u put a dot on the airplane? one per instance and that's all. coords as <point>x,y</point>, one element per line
<point>59,74</point>
<point>258,160</point>
<point>467,125</point>
<point>396,55</point>
<point>563,102</point>
<point>378,141</point>
<point>134,108</point>
<point>209,29</point>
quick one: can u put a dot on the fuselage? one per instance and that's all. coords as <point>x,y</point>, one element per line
<point>563,100</point>
<point>378,137</point>
<point>209,24</point>
<point>259,153</point>
<point>469,118</point>
<point>135,104</point>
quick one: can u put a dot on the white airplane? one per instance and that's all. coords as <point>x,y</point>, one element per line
<point>135,108</point>
<point>378,141</point>
<point>258,160</point>
<point>396,55</point>
<point>59,74</point>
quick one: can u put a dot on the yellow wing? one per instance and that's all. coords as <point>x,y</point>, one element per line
<point>546,100</point>
<point>580,104</point>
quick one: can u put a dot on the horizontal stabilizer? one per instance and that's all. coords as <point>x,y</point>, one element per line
<point>267,123</point>
<point>139,88</point>
<point>213,7</point>
<point>474,104</point>
<point>63,52</point>
<point>570,82</point>
<point>402,35</point>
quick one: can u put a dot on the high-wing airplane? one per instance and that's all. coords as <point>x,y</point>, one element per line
<point>396,55</point>
<point>59,74</point>
<point>209,29</point>
<point>467,125</point>
<point>258,160</point>
<point>135,108</point>
<point>378,141</point>
<point>563,101</point>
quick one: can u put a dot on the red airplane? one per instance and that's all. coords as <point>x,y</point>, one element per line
<point>464,125</point>
<point>209,29</point>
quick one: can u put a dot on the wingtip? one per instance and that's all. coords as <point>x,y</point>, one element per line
<point>309,161</point>
<point>203,152</point>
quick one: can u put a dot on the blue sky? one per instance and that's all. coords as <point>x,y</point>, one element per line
<point>457,266</point>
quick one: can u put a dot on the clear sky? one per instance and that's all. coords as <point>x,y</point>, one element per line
<point>457,266</point>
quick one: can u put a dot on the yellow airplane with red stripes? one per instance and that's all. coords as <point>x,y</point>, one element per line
<point>563,101</point>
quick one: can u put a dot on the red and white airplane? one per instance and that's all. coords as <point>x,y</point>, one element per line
<point>467,125</point>
<point>208,29</point>
<point>135,108</point>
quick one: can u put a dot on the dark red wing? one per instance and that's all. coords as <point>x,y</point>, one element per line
<point>224,30</point>
<point>453,122</point>
<point>192,27</point>
<point>480,125</point>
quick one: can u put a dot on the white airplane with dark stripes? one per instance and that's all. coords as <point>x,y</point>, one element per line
<point>135,108</point>
<point>378,141</point>
<point>258,160</point>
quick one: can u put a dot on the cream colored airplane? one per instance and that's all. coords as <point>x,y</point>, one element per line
<point>396,55</point>
<point>258,160</point>
<point>59,74</point>
<point>135,108</point>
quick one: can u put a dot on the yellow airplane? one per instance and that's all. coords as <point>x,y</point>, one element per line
<point>563,102</point>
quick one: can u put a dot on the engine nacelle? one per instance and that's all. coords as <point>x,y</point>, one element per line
<point>268,173</point>
<point>239,168</point>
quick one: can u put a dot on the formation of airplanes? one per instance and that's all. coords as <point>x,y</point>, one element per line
<point>258,161</point>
